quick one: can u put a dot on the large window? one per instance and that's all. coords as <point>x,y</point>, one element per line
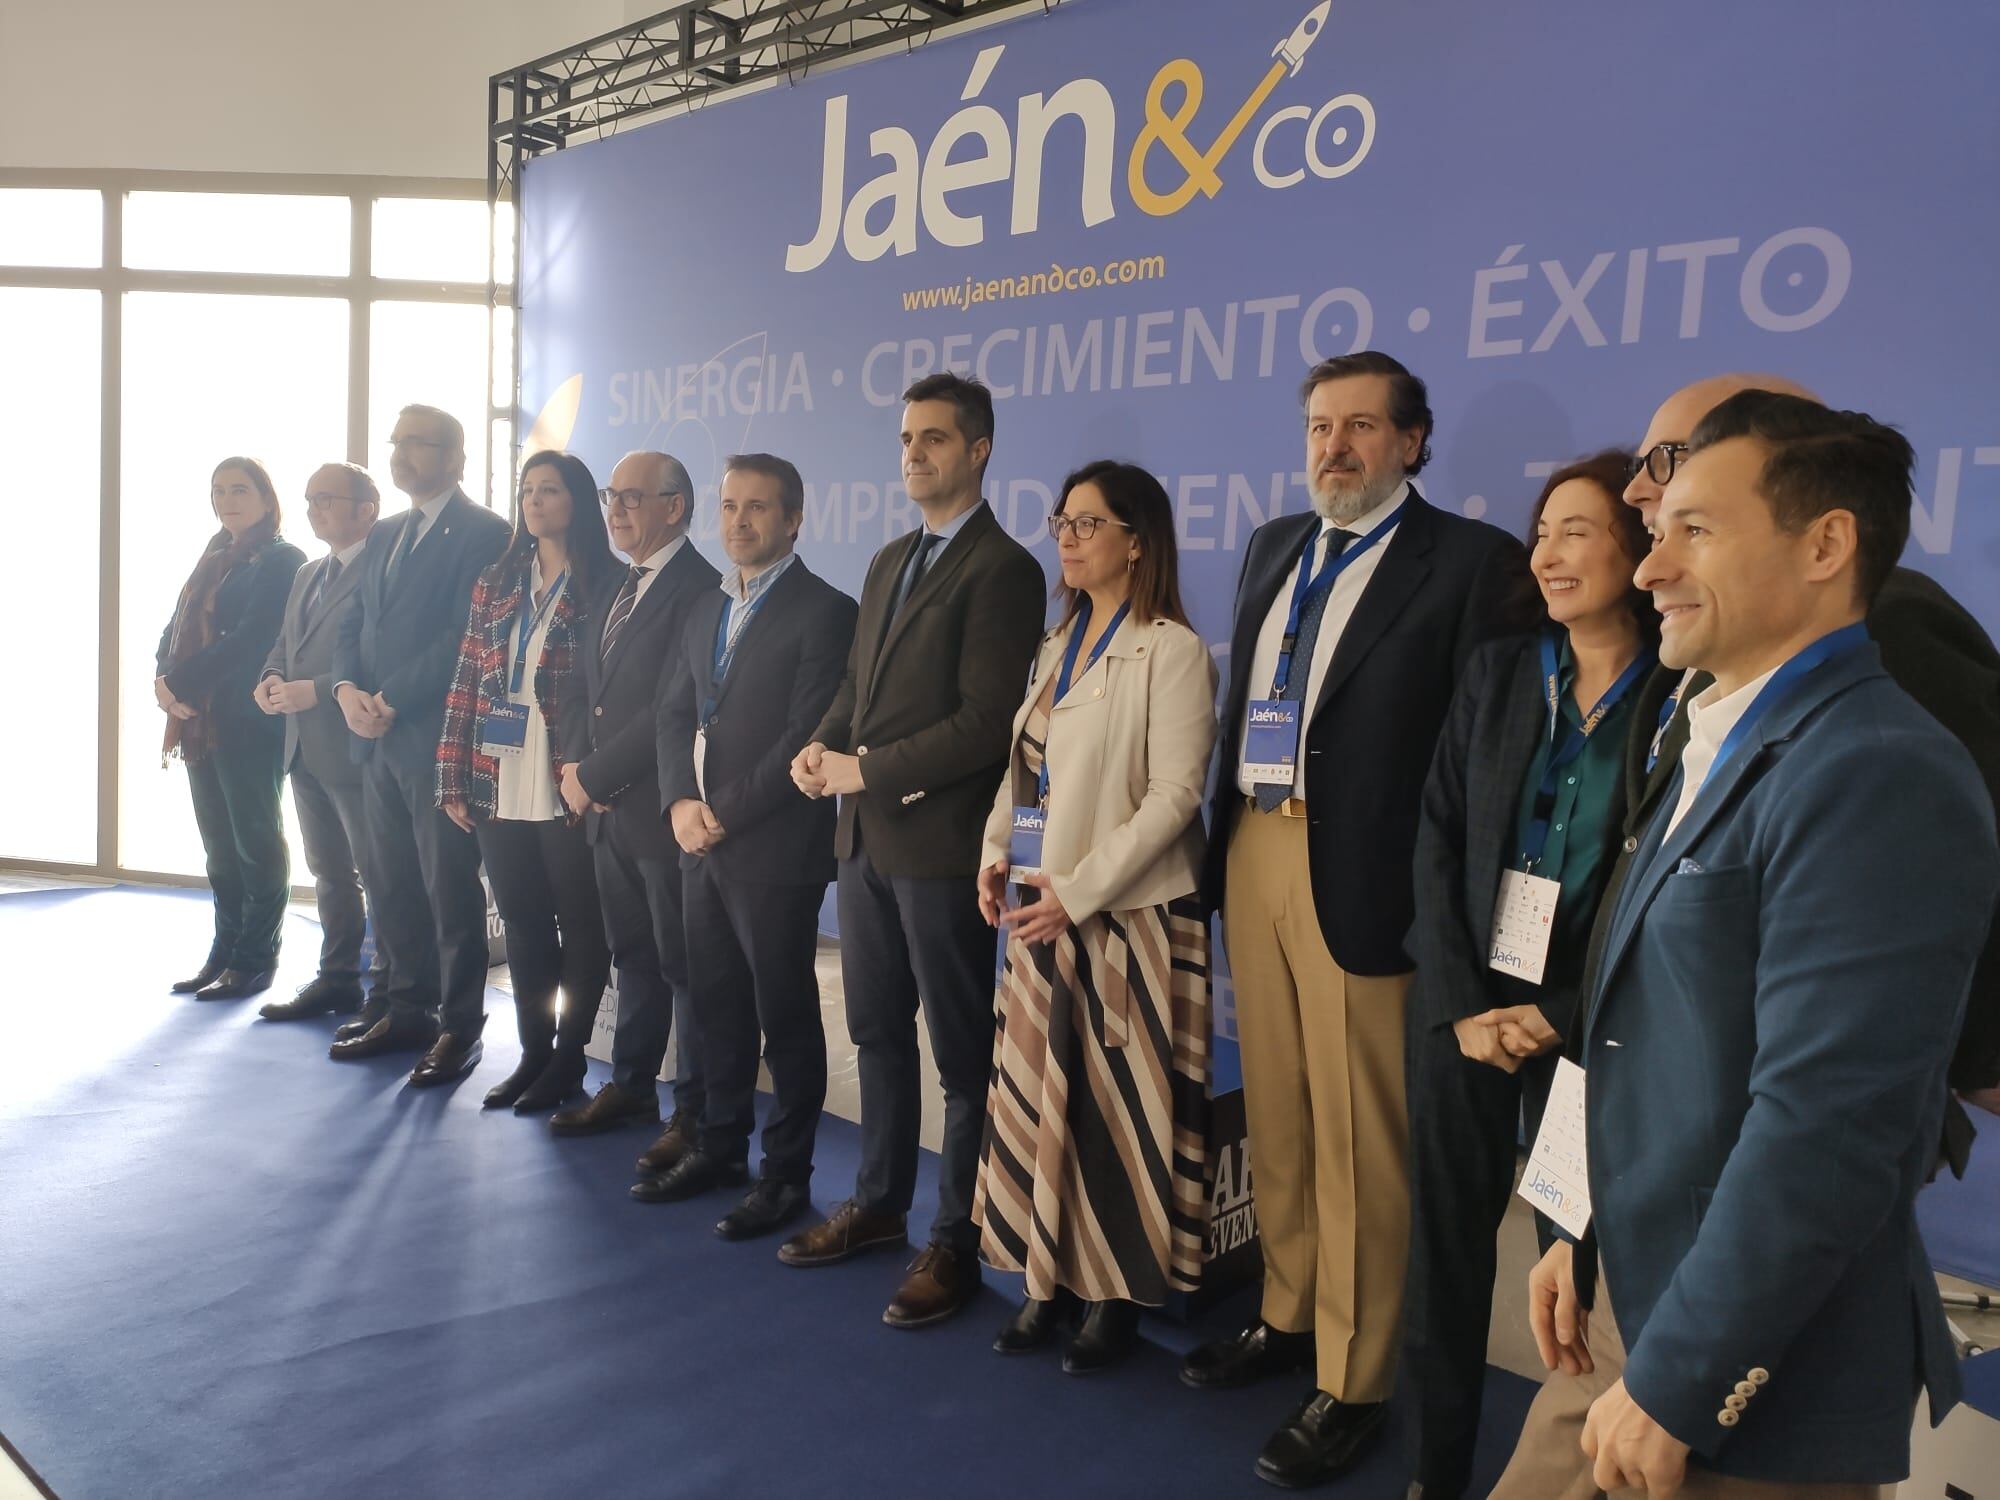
<point>151,325</point>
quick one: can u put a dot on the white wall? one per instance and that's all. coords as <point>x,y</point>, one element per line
<point>365,87</point>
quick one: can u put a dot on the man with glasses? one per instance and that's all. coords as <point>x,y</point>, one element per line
<point>397,648</point>
<point>341,505</point>
<point>611,779</point>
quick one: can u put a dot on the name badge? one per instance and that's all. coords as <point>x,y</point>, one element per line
<point>1271,742</point>
<point>1024,845</point>
<point>505,730</point>
<point>1524,915</point>
<point>1557,1179</point>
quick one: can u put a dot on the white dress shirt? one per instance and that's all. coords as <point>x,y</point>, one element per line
<point>527,787</point>
<point>427,515</point>
<point>1709,721</point>
<point>1340,603</point>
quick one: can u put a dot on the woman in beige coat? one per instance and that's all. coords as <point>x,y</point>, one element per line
<point>1092,1173</point>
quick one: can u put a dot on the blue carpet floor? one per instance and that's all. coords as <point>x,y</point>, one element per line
<point>232,1268</point>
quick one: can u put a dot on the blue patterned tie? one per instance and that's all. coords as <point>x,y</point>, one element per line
<point>1271,794</point>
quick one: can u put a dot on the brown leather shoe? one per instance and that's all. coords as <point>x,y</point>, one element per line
<point>847,1231</point>
<point>610,1108</point>
<point>679,1138</point>
<point>939,1283</point>
<point>387,1035</point>
<point>450,1057</point>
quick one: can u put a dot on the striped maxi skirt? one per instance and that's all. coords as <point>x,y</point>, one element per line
<point>1093,1174</point>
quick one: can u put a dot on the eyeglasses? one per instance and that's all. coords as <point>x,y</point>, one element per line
<point>321,500</point>
<point>1085,526</point>
<point>630,499</point>
<point>413,442</point>
<point>1658,462</point>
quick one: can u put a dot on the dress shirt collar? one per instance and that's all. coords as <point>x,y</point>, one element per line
<point>348,553</point>
<point>749,590</point>
<point>1710,718</point>
<point>956,524</point>
<point>654,561</point>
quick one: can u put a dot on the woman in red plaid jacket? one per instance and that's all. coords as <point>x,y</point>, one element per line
<point>498,771</point>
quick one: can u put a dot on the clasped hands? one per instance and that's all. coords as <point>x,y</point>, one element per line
<point>1506,1036</point>
<point>368,714</point>
<point>820,772</point>
<point>696,828</point>
<point>275,695</point>
<point>169,704</point>
<point>1040,921</point>
<point>1628,1450</point>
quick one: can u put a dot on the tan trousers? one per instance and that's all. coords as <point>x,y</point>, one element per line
<point>1548,1461</point>
<point>1323,1096</point>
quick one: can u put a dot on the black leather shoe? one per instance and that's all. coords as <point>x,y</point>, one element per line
<point>693,1174</point>
<point>450,1057</point>
<point>1319,1440</point>
<point>1246,1357</point>
<point>683,1130</point>
<point>373,1012</point>
<point>1031,1327</point>
<point>1110,1331</point>
<point>236,984</point>
<point>322,997</point>
<point>561,1078</point>
<point>385,1036</point>
<point>611,1108</point>
<point>200,979</point>
<point>770,1205</point>
<point>508,1091</point>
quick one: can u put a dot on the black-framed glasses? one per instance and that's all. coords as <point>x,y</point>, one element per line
<point>630,499</point>
<point>413,442</point>
<point>1085,526</point>
<point>1659,461</point>
<point>322,500</point>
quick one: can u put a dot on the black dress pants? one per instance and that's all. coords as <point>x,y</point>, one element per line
<point>235,787</point>
<point>546,890</point>
<point>431,909</point>
<point>901,937</point>
<point>750,958</point>
<point>1464,1118</point>
<point>642,920</point>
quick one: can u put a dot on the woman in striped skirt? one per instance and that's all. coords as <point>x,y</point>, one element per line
<point>1093,1173</point>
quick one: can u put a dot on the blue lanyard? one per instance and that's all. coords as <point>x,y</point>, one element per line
<point>1305,589</point>
<point>1066,674</point>
<point>1847,639</point>
<point>1565,752</point>
<point>528,626</point>
<point>726,642</point>
<point>1667,711</point>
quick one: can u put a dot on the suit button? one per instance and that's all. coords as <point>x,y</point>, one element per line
<point>1630,844</point>
<point>599,711</point>
<point>1736,1403</point>
<point>860,749</point>
<point>1728,1418</point>
<point>1745,1388</point>
<point>1759,1376</point>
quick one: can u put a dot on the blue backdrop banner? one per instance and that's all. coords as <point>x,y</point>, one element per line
<point>1141,220</point>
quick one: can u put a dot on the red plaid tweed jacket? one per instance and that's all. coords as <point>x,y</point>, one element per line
<point>481,681</point>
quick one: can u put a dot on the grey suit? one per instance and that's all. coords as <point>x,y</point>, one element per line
<point>326,782</point>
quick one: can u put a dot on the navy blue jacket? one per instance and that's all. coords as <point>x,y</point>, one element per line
<point>1782,984</point>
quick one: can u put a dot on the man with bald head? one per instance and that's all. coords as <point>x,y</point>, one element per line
<point>611,779</point>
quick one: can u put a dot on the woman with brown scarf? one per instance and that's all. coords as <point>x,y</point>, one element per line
<point>210,653</point>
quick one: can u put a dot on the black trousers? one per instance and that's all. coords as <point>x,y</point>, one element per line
<point>642,920</point>
<point>333,826</point>
<point>546,890</point>
<point>430,908</point>
<point>235,789</point>
<point>901,937</point>
<point>750,953</point>
<point>1464,1116</point>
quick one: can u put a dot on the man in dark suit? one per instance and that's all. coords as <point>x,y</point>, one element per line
<point>914,744</point>
<point>611,777</point>
<point>760,661</point>
<point>341,503</point>
<point>398,646</point>
<point>1352,625</point>
<point>1933,648</point>
<point>1780,988</point>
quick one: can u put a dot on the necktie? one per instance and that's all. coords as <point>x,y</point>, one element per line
<point>914,573</point>
<point>621,609</point>
<point>1270,793</point>
<point>327,575</point>
<point>405,545</point>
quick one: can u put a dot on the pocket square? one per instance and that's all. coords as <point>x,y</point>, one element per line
<point>1688,867</point>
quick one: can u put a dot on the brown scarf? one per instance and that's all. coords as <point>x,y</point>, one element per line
<point>194,629</point>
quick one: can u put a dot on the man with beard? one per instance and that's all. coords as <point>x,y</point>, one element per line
<point>1351,627</point>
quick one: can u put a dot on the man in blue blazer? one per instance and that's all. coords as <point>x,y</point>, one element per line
<point>1780,991</point>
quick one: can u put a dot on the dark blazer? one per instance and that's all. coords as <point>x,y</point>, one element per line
<point>1465,837</point>
<point>787,667</point>
<point>1444,586</point>
<point>611,731</point>
<point>304,649</point>
<point>928,699</point>
<point>1783,981</point>
<point>402,640</point>
<point>219,680</point>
